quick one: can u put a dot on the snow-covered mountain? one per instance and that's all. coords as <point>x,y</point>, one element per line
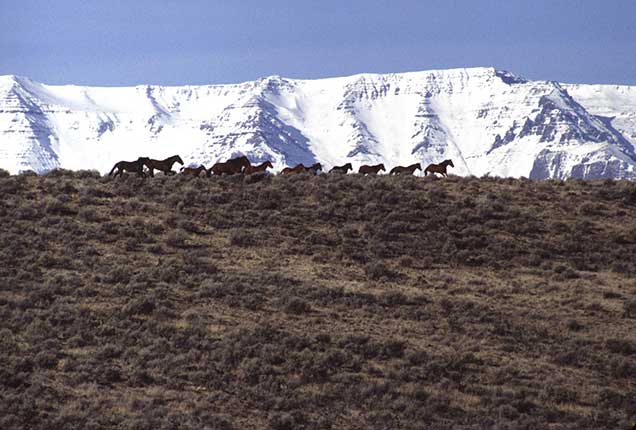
<point>486,120</point>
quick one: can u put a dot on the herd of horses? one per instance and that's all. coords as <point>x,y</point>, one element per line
<point>242,165</point>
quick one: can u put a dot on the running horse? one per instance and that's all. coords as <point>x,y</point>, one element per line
<point>438,168</point>
<point>260,168</point>
<point>230,167</point>
<point>398,170</point>
<point>193,171</point>
<point>136,166</point>
<point>371,170</point>
<point>299,168</point>
<point>239,163</point>
<point>314,168</point>
<point>163,165</point>
<point>342,169</point>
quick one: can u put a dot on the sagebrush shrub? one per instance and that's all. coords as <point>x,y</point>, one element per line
<point>242,238</point>
<point>159,302</point>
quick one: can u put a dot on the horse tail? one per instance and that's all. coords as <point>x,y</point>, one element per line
<point>113,169</point>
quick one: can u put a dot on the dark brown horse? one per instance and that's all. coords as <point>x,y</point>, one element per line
<point>230,167</point>
<point>163,165</point>
<point>438,168</point>
<point>260,168</point>
<point>239,163</point>
<point>136,166</point>
<point>222,169</point>
<point>371,170</point>
<point>299,168</point>
<point>342,169</point>
<point>398,170</point>
<point>193,171</point>
<point>314,168</point>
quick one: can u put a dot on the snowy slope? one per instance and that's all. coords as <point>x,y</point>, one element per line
<point>615,103</point>
<point>488,121</point>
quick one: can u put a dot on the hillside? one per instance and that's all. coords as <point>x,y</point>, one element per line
<point>316,302</point>
<point>490,122</point>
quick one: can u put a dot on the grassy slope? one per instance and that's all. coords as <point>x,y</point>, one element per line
<point>316,302</point>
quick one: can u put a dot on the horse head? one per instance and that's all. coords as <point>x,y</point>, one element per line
<point>348,167</point>
<point>450,163</point>
<point>268,164</point>
<point>382,167</point>
<point>173,159</point>
<point>418,166</point>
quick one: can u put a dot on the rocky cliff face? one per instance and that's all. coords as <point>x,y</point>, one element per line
<point>488,121</point>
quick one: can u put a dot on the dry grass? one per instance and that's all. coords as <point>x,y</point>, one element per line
<point>316,302</point>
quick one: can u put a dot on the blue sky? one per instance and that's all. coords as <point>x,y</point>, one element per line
<point>173,42</point>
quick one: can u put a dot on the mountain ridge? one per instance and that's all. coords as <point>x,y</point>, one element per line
<point>489,121</point>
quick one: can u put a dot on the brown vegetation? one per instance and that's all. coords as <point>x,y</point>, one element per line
<point>316,302</point>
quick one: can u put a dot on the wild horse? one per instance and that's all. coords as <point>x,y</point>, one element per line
<point>398,170</point>
<point>438,168</point>
<point>163,165</point>
<point>136,166</point>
